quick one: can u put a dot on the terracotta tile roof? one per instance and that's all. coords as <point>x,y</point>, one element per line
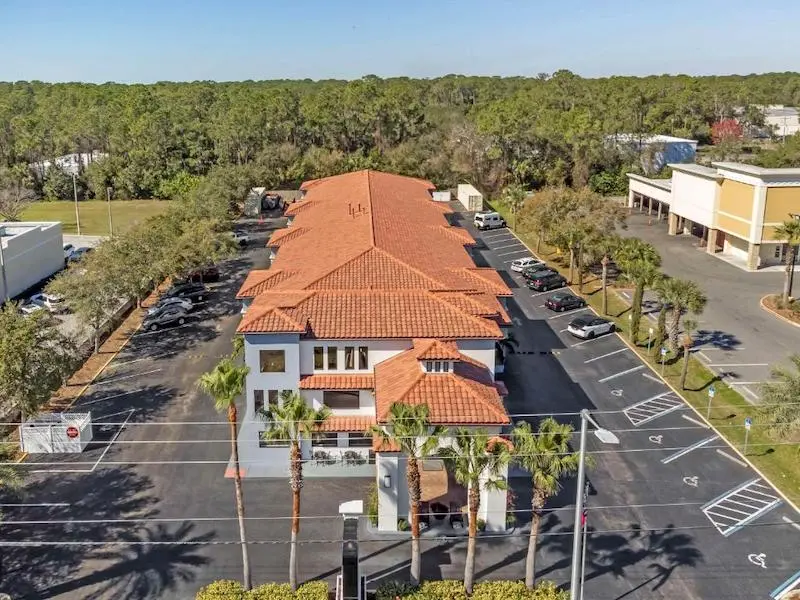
<point>381,445</point>
<point>355,423</point>
<point>337,381</point>
<point>458,234</point>
<point>436,350</point>
<point>295,208</point>
<point>262,280</point>
<point>281,236</point>
<point>467,396</point>
<point>374,269</point>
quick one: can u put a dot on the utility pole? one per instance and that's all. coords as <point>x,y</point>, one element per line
<point>75,195</point>
<point>110,223</point>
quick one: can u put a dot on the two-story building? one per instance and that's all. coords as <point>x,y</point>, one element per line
<point>371,298</point>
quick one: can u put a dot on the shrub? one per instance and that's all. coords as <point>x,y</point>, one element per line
<point>403,525</point>
<point>314,590</point>
<point>372,504</point>
<point>226,589</point>
<point>389,590</point>
<point>503,590</point>
<point>481,524</point>
<point>271,591</point>
<point>454,590</point>
<point>440,590</point>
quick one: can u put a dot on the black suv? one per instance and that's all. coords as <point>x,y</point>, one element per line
<point>205,275</point>
<point>536,270</point>
<point>564,301</point>
<point>170,315</point>
<point>546,280</point>
<point>195,292</point>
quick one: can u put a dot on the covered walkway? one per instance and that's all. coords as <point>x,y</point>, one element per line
<point>650,195</point>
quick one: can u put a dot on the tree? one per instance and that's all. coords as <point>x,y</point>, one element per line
<point>605,245</point>
<point>779,409</point>
<point>225,384</point>
<point>689,325</point>
<point>293,422</point>
<point>683,295</point>
<point>514,196</point>
<point>15,192</point>
<point>726,131</point>
<point>477,462</point>
<point>35,359</point>
<point>639,262</point>
<point>661,288</point>
<point>409,429</point>
<point>789,231</point>
<point>545,455</point>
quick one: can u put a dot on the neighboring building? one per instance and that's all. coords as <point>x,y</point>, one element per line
<point>30,253</point>
<point>655,151</point>
<point>781,121</point>
<point>71,164</point>
<point>444,196</point>
<point>372,298</point>
<point>733,207</point>
<point>469,197</point>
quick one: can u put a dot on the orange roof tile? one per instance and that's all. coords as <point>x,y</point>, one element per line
<point>436,350</point>
<point>381,445</point>
<point>261,280</point>
<point>337,381</point>
<point>466,396</point>
<point>344,423</point>
<point>281,236</point>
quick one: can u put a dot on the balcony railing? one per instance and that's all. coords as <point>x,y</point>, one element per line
<point>340,462</point>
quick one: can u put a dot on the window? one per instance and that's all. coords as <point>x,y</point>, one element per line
<point>333,362</point>
<point>349,358</point>
<point>273,396</point>
<point>429,366</point>
<point>779,251</point>
<point>272,361</point>
<point>359,440</point>
<point>258,400</point>
<point>341,399</point>
<point>437,366</point>
<point>319,357</point>
<point>330,439</point>
<point>363,358</point>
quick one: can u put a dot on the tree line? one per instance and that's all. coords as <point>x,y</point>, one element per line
<point>550,129</point>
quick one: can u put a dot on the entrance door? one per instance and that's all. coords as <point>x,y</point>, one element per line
<point>720,240</point>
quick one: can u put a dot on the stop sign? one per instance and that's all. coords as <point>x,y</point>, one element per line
<point>72,432</point>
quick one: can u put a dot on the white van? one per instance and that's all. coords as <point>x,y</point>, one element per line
<point>490,220</point>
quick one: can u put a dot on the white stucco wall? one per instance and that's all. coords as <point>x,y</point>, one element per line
<point>480,350</point>
<point>694,197</point>
<point>379,350</point>
<point>32,253</point>
<point>649,190</point>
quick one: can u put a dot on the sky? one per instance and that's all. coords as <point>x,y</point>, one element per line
<point>181,40</point>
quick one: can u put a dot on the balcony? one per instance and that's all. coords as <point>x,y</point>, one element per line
<point>327,461</point>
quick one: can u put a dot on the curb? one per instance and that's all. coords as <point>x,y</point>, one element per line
<point>685,401</point>
<point>776,314</point>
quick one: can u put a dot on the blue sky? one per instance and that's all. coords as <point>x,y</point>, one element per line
<point>152,40</point>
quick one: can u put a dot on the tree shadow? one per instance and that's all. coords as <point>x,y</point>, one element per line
<point>716,339</point>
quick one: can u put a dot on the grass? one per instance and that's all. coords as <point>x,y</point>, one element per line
<point>779,462</point>
<point>94,214</point>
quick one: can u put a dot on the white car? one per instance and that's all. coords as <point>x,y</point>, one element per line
<point>68,250</point>
<point>28,308</point>
<point>240,237</point>
<point>589,327</point>
<point>184,303</point>
<point>521,264</point>
<point>55,304</point>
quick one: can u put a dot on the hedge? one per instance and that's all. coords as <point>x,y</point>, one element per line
<point>454,590</point>
<point>233,590</point>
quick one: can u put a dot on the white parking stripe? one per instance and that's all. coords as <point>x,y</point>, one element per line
<point>586,342</point>
<point>784,589</point>
<point>116,379</point>
<point>688,449</point>
<point>506,246</point>
<point>652,378</point>
<point>730,457</point>
<point>750,495</point>
<point>625,349</point>
<point>696,422</point>
<point>525,250</point>
<point>652,408</point>
<point>620,374</point>
<point>567,313</point>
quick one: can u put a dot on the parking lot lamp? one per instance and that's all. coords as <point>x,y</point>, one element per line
<point>607,437</point>
<point>796,217</point>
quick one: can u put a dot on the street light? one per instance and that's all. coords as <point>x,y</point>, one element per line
<point>796,217</point>
<point>607,437</point>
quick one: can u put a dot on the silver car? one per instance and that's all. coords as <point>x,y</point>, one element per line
<point>170,301</point>
<point>589,327</point>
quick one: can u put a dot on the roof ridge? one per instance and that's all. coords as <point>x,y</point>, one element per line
<point>308,284</point>
<point>371,211</point>
<point>499,411</point>
<point>475,318</point>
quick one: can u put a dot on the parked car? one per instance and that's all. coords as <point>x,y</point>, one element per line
<point>79,253</point>
<point>172,315</point>
<point>68,250</point>
<point>54,304</point>
<point>195,292</point>
<point>519,265</point>
<point>204,275</point>
<point>28,308</point>
<point>170,301</point>
<point>590,326</point>
<point>546,280</point>
<point>488,220</point>
<point>531,271</point>
<point>562,301</point>
<point>240,237</point>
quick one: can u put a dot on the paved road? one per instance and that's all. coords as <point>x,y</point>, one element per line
<point>736,337</point>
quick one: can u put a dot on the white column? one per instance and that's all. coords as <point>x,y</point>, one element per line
<point>388,513</point>
<point>493,507</point>
<point>630,198</point>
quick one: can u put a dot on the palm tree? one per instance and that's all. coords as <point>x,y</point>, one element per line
<point>780,411</point>
<point>545,454</point>
<point>224,384</point>
<point>605,245</point>
<point>513,196</point>
<point>689,325</point>
<point>661,289</point>
<point>292,422</point>
<point>639,262</point>
<point>477,462</point>
<point>789,231</point>
<point>683,295</point>
<point>409,429</point>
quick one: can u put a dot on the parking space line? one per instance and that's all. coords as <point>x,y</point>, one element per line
<point>696,422</point>
<point>620,374</point>
<point>586,341</point>
<point>652,408</point>
<point>790,522</point>
<point>784,589</point>
<point>166,329</point>
<point>116,379</point>
<point>507,246</point>
<point>651,378</point>
<point>524,250</point>
<point>731,457</point>
<point>566,314</point>
<point>625,349</point>
<point>688,449</point>
<point>496,234</point>
<point>109,397</point>
<point>718,509</point>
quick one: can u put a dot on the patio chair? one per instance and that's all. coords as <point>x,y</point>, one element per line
<point>456,516</point>
<point>424,515</point>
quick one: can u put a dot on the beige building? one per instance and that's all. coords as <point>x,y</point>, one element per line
<point>734,208</point>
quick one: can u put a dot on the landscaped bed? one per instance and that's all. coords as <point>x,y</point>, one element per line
<point>791,312</point>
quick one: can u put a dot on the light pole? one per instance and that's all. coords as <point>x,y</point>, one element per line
<point>794,250</point>
<point>110,223</point>
<point>75,195</point>
<point>607,437</point>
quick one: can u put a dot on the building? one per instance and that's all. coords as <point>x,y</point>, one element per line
<point>781,121</point>
<point>30,253</point>
<point>372,298</point>
<point>469,197</point>
<point>71,164</point>
<point>734,208</point>
<point>655,151</point>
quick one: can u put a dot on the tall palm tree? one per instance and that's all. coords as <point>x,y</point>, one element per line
<point>409,429</point>
<point>605,245</point>
<point>477,462</point>
<point>513,196</point>
<point>545,455</point>
<point>780,411</point>
<point>789,231</point>
<point>292,422</point>
<point>639,262</point>
<point>224,383</point>
<point>689,325</point>
<point>683,295</point>
<point>660,287</point>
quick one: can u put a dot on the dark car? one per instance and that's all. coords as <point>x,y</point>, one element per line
<point>205,275</point>
<point>171,315</point>
<point>79,254</point>
<point>535,270</point>
<point>546,280</point>
<point>564,301</point>
<point>195,292</point>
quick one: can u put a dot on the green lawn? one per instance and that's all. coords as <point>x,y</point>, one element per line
<point>778,461</point>
<point>94,214</point>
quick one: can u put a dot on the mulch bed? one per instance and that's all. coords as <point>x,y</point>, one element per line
<point>792,314</point>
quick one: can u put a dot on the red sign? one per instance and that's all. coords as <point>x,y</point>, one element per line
<point>72,432</point>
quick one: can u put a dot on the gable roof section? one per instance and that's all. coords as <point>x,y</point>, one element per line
<point>262,280</point>
<point>374,269</point>
<point>337,381</point>
<point>281,236</point>
<point>436,350</point>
